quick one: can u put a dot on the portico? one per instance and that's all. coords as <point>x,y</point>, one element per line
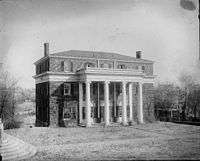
<point>126,79</point>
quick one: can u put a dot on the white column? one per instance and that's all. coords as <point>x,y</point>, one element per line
<point>80,102</point>
<point>106,104</point>
<point>124,111</point>
<point>1,132</point>
<point>130,101</point>
<point>88,108</point>
<point>140,107</point>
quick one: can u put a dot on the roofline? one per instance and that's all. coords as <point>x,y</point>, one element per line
<point>41,59</point>
<point>136,61</point>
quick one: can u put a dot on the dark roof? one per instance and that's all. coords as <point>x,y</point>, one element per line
<point>97,55</point>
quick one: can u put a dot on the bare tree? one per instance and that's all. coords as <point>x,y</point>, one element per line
<point>7,95</point>
<point>166,97</point>
<point>191,90</point>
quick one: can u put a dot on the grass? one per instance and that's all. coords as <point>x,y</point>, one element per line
<point>148,141</point>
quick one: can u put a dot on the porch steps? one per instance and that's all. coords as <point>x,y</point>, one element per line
<point>13,148</point>
<point>113,124</point>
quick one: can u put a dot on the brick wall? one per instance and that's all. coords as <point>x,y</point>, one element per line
<point>42,66</point>
<point>55,64</point>
<point>148,102</point>
<point>148,67</point>
<point>55,101</point>
<point>74,64</point>
<point>42,104</point>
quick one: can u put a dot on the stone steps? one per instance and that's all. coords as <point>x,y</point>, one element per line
<point>13,148</point>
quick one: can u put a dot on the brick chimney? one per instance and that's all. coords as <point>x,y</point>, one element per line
<point>46,49</point>
<point>138,54</point>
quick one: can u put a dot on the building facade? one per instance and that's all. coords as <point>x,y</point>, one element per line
<point>85,88</point>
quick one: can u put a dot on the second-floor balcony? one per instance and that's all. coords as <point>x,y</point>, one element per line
<point>110,71</point>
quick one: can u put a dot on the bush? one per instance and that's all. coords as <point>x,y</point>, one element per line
<point>11,124</point>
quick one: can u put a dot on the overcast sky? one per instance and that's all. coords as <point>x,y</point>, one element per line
<point>165,32</point>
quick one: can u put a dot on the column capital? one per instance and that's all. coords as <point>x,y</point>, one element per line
<point>106,82</point>
<point>88,81</point>
<point>124,82</point>
<point>130,83</point>
<point>140,83</point>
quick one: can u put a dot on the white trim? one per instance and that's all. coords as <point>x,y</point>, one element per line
<point>91,77</point>
<point>56,78</point>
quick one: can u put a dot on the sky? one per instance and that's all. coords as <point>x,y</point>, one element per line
<point>166,31</point>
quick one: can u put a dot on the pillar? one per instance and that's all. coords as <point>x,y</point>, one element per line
<point>80,102</point>
<point>124,111</point>
<point>140,107</point>
<point>1,132</point>
<point>106,104</point>
<point>130,101</point>
<point>88,108</point>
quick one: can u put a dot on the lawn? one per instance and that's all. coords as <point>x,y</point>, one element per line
<point>148,141</point>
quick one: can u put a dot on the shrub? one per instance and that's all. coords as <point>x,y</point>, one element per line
<point>11,124</point>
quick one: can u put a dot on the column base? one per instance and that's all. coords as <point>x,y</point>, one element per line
<point>140,122</point>
<point>131,123</point>
<point>107,124</point>
<point>88,125</point>
<point>124,123</point>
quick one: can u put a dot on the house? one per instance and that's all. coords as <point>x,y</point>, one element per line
<point>88,87</point>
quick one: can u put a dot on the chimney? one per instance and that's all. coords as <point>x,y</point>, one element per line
<point>46,49</point>
<point>138,54</point>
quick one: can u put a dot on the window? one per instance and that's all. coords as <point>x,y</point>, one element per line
<point>62,66</point>
<point>143,68</point>
<point>47,65</point>
<point>105,65</point>
<point>136,67</point>
<point>88,64</point>
<point>67,89</point>
<point>71,66</point>
<point>121,66</point>
<point>70,110</point>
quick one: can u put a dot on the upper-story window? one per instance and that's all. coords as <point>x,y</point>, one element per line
<point>66,66</point>
<point>143,68</point>
<point>121,66</point>
<point>88,64</point>
<point>105,65</point>
<point>136,67</point>
<point>67,89</point>
<point>71,66</point>
<point>62,66</point>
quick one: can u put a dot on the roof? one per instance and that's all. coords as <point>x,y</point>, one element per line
<point>97,55</point>
<point>94,55</point>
